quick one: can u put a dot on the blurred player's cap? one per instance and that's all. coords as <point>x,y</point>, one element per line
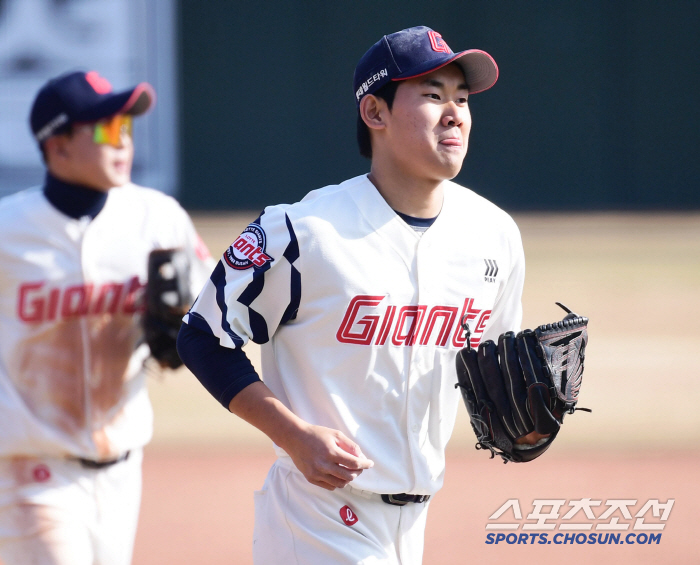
<point>83,97</point>
<point>417,51</point>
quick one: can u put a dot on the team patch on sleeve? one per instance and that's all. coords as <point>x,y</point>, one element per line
<point>248,250</point>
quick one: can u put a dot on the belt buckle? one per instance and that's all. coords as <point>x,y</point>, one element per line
<point>391,499</point>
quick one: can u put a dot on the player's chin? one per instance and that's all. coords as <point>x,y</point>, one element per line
<point>119,177</point>
<point>450,162</point>
<point>448,169</point>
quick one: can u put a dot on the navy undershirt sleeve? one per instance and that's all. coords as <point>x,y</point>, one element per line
<point>224,372</point>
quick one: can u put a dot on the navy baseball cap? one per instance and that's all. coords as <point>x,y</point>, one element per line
<point>83,97</point>
<point>417,51</point>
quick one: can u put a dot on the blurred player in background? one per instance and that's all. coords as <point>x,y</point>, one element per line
<point>74,408</point>
<point>357,293</point>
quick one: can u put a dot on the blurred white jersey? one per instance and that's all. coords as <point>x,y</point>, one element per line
<point>71,298</point>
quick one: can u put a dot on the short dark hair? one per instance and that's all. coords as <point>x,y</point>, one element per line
<point>386,93</point>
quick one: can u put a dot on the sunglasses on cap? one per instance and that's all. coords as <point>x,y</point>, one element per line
<point>109,131</point>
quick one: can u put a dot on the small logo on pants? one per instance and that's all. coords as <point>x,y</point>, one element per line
<point>348,516</point>
<point>41,473</point>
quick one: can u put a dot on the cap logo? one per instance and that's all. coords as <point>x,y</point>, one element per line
<point>99,84</point>
<point>438,43</point>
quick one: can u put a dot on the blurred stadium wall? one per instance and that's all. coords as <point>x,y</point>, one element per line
<point>596,107</point>
<point>127,41</point>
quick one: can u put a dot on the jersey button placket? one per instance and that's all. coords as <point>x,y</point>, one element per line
<point>414,417</point>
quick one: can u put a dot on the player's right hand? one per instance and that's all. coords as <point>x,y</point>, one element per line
<point>327,457</point>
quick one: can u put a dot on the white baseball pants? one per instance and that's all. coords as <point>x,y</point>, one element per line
<point>299,523</point>
<point>56,512</point>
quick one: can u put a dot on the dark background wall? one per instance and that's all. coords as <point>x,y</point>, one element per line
<point>596,107</point>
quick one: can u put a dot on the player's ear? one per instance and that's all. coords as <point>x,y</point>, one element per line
<point>55,149</point>
<point>373,111</point>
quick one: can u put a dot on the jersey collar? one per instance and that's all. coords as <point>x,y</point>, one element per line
<point>73,200</point>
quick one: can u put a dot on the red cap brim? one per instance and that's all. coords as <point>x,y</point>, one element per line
<point>142,99</point>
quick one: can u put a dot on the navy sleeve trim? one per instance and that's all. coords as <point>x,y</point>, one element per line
<point>218,277</point>
<point>224,372</point>
<point>291,312</point>
<point>291,254</point>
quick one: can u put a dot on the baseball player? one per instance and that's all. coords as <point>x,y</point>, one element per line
<point>356,294</point>
<point>73,261</point>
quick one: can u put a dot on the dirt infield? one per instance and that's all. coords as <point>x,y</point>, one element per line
<point>636,276</point>
<point>198,509</point>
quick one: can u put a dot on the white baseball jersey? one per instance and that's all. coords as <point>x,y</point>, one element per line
<point>71,297</point>
<point>359,316</point>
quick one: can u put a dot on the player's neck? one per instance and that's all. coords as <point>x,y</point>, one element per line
<point>73,200</point>
<point>420,198</point>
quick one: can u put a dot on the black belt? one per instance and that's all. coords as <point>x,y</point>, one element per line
<point>90,464</point>
<point>403,498</point>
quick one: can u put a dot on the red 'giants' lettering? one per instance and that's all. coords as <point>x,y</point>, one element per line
<point>38,302</point>
<point>365,323</point>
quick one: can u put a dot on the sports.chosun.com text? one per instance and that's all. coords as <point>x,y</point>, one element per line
<point>572,538</point>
